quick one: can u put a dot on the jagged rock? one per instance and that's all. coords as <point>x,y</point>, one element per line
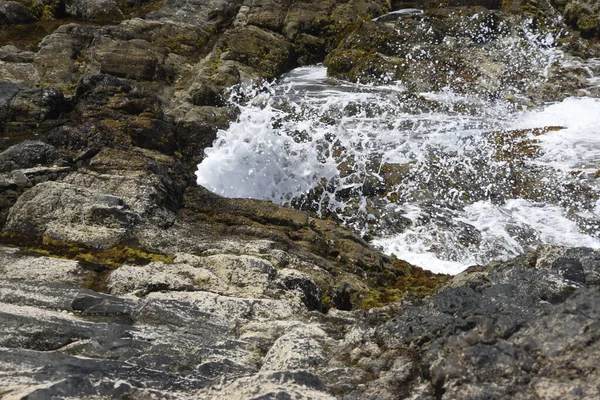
<point>12,12</point>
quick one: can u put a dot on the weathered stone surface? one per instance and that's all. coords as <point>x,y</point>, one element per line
<point>459,48</point>
<point>56,60</point>
<point>297,385</point>
<point>94,10</point>
<point>13,54</point>
<point>72,214</point>
<point>202,13</point>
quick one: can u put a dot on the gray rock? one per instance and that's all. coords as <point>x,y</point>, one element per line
<point>94,10</point>
<point>13,54</point>
<point>202,13</point>
<point>278,385</point>
<point>296,350</point>
<point>72,214</point>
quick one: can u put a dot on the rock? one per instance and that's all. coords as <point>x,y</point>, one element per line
<point>583,15</point>
<point>213,297</point>
<point>13,54</point>
<point>184,309</point>
<point>244,53</point>
<point>37,104</point>
<point>458,47</point>
<point>94,10</point>
<point>8,90</point>
<point>309,290</point>
<point>297,385</point>
<point>12,12</point>
<point>56,61</point>
<point>38,269</point>
<point>141,280</point>
<point>27,154</point>
<point>297,350</point>
<point>70,213</point>
<point>131,62</point>
<point>201,13</point>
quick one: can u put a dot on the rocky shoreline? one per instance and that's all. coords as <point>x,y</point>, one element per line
<point>121,278</point>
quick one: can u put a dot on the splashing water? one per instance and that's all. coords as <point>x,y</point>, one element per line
<point>441,180</point>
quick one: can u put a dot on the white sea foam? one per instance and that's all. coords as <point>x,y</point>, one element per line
<point>577,146</point>
<point>308,132</point>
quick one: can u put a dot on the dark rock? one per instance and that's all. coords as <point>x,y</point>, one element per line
<point>12,12</point>
<point>37,104</point>
<point>8,90</point>
<point>311,293</point>
<point>342,298</point>
<point>94,134</point>
<point>570,269</point>
<point>27,154</point>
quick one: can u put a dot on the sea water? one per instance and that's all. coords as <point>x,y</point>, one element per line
<point>317,143</point>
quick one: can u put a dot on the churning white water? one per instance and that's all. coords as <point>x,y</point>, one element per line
<point>441,180</point>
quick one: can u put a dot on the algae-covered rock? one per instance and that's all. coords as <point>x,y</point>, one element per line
<point>583,15</point>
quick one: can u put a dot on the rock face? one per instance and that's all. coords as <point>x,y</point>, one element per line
<point>119,277</point>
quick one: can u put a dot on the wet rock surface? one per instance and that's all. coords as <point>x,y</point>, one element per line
<point>119,277</point>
